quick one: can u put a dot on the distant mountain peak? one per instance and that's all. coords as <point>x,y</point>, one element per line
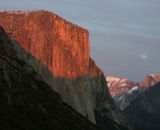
<point>153,75</point>
<point>118,86</point>
<point>150,80</point>
<point>124,91</point>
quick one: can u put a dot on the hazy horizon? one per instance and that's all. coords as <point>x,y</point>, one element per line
<point>124,35</point>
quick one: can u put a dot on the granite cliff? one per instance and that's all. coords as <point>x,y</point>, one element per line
<point>27,102</point>
<point>150,80</point>
<point>59,51</point>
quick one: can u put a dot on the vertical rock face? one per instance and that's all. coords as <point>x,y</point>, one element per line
<point>59,51</point>
<point>150,80</point>
<point>24,95</point>
<point>58,44</point>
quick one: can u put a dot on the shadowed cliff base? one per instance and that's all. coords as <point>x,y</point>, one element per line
<point>59,51</point>
<point>74,92</point>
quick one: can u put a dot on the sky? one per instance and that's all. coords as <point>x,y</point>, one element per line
<point>124,34</point>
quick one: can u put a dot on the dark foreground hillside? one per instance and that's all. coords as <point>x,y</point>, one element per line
<point>144,111</point>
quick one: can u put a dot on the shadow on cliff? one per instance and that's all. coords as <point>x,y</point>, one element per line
<point>82,93</point>
<point>78,92</point>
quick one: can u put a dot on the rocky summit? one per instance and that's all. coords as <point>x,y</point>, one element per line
<point>124,91</point>
<point>118,86</point>
<point>59,51</point>
<point>150,80</point>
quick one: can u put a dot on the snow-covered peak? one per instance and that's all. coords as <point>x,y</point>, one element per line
<point>116,79</point>
<point>25,12</point>
<point>153,75</point>
<point>150,80</point>
<point>22,12</point>
<point>112,78</point>
<point>118,86</point>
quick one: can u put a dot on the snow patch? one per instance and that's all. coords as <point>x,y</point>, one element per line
<point>123,85</point>
<point>134,88</point>
<point>153,75</point>
<point>112,79</point>
<point>121,97</point>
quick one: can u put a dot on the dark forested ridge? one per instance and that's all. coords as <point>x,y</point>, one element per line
<point>144,111</point>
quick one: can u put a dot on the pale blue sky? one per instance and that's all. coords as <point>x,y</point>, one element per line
<point>124,34</point>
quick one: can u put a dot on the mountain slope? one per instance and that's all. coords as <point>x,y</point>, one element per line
<point>144,111</point>
<point>123,100</point>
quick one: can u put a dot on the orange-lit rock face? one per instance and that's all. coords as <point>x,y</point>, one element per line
<point>150,80</point>
<point>94,71</point>
<point>62,46</point>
